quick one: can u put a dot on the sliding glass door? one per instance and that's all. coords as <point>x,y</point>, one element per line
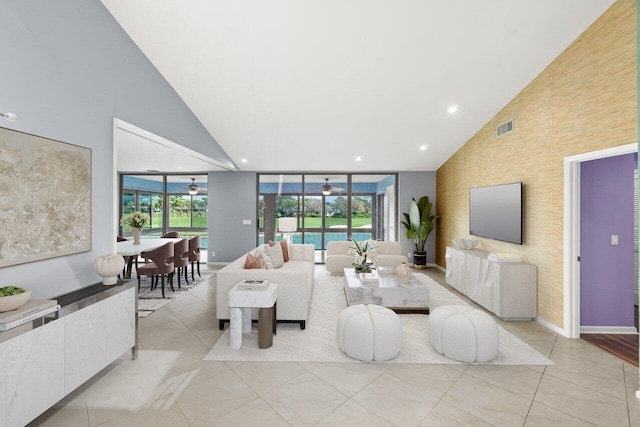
<point>326,207</point>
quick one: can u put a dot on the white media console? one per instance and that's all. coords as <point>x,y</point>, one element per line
<point>508,289</point>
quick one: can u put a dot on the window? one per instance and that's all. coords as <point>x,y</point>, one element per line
<point>166,199</point>
<point>328,206</point>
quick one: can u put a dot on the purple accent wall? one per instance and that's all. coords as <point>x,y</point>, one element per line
<point>606,271</point>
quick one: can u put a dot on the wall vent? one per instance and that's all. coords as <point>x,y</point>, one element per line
<point>505,127</point>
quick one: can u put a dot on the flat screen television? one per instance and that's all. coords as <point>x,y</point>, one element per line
<point>495,212</point>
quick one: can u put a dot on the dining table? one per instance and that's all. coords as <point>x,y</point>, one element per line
<point>131,252</point>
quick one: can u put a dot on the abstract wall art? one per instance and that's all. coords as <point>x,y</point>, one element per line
<point>45,198</point>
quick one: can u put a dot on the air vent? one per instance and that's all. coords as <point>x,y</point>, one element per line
<point>505,127</point>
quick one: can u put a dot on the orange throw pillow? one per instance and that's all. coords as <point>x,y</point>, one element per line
<point>253,262</point>
<point>285,248</point>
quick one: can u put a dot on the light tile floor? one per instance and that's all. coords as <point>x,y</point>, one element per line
<point>170,385</point>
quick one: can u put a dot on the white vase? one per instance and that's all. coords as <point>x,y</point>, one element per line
<point>137,232</point>
<point>403,273</point>
<point>108,267</point>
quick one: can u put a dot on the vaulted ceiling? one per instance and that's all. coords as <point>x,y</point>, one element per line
<point>299,85</point>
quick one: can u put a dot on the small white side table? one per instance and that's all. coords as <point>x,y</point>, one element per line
<point>240,304</point>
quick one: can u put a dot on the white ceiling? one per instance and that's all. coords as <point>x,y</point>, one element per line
<point>300,85</point>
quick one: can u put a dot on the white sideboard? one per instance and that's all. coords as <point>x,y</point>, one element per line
<point>41,364</point>
<point>508,289</point>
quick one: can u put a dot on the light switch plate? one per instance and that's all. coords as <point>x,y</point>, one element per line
<point>246,222</point>
<point>614,240</point>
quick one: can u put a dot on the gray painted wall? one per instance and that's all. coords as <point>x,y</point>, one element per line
<point>232,198</point>
<point>416,184</point>
<point>68,69</point>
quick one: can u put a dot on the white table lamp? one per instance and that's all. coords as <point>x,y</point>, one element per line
<point>288,226</point>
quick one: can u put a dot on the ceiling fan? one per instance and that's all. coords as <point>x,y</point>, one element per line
<point>193,188</point>
<point>327,189</point>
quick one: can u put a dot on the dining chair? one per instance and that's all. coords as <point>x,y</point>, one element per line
<point>171,235</point>
<point>161,264</point>
<point>128,259</point>
<point>194,254</point>
<point>181,258</point>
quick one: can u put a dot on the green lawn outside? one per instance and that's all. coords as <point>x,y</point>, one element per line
<point>181,222</point>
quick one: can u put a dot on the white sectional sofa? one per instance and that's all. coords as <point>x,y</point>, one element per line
<point>337,258</point>
<point>294,279</point>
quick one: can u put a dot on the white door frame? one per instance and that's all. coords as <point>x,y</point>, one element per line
<point>572,232</point>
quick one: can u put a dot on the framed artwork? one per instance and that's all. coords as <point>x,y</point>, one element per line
<point>45,198</point>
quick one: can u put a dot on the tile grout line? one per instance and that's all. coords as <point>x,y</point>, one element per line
<point>544,370</point>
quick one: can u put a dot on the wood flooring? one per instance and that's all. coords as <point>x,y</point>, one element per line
<point>623,346</point>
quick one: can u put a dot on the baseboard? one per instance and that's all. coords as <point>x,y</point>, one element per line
<point>444,270</point>
<point>555,328</point>
<point>627,330</point>
<point>218,263</point>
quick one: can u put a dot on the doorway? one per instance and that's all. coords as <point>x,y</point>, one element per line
<point>572,232</point>
<point>606,245</point>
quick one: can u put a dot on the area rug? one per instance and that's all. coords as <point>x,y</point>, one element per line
<point>151,300</point>
<point>318,343</point>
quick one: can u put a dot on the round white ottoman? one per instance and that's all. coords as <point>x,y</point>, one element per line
<point>369,333</point>
<point>463,333</point>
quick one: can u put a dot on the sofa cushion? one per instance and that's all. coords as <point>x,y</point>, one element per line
<point>254,262</point>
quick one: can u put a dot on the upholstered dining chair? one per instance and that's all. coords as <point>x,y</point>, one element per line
<point>181,258</point>
<point>161,264</point>
<point>128,260</point>
<point>194,254</point>
<point>171,235</point>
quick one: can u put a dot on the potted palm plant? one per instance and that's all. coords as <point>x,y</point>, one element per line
<point>419,223</point>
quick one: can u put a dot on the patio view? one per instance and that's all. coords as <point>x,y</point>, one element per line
<point>182,212</point>
<point>327,208</point>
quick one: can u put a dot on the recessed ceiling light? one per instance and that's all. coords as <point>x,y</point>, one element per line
<point>180,167</point>
<point>244,160</point>
<point>423,147</point>
<point>358,159</point>
<point>453,109</point>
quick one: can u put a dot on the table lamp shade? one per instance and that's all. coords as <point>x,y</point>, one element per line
<point>288,225</point>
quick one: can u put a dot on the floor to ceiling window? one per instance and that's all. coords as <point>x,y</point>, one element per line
<point>173,202</point>
<point>327,207</point>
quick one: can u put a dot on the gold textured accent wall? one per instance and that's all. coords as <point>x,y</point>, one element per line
<point>585,100</point>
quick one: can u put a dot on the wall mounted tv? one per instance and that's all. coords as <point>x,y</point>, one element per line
<point>495,212</point>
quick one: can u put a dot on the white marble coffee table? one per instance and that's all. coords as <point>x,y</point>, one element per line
<point>240,304</point>
<point>412,297</point>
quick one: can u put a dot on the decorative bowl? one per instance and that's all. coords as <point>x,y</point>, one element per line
<point>12,302</point>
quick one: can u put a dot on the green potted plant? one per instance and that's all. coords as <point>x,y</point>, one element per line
<point>419,223</point>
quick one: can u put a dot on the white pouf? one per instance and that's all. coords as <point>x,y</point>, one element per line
<point>369,332</point>
<point>463,333</point>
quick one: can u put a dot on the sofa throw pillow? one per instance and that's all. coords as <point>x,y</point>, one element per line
<point>275,254</point>
<point>254,262</point>
<point>261,252</point>
<point>285,248</point>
